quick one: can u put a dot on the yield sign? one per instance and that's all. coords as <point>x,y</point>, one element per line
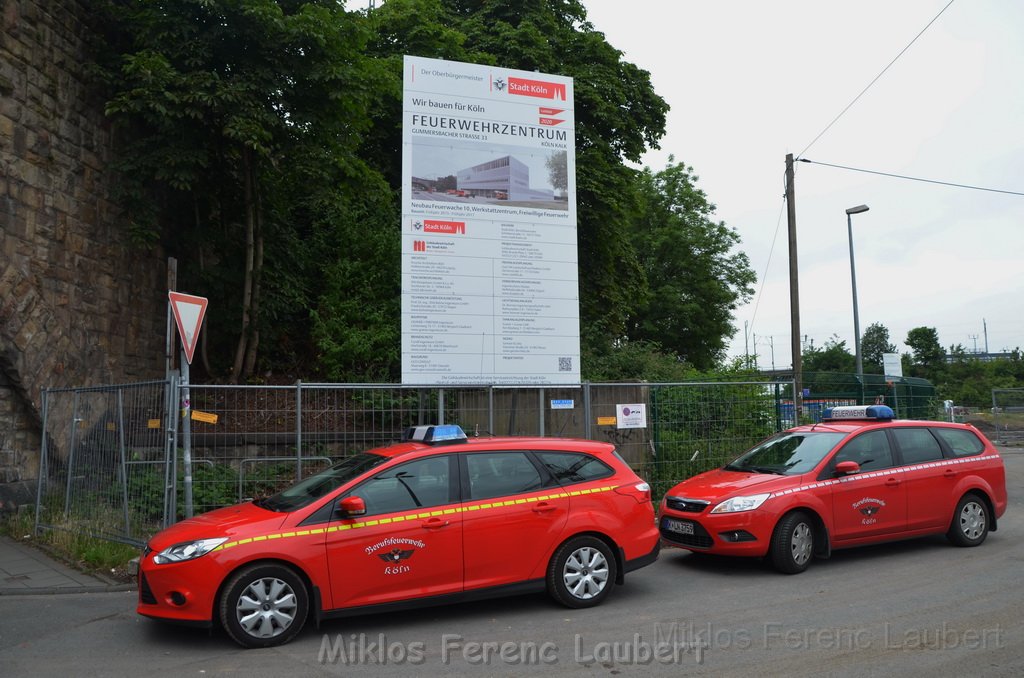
<point>188,314</point>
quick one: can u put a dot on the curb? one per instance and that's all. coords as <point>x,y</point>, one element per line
<point>49,591</point>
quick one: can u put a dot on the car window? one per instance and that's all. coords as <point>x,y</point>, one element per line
<point>574,467</point>
<point>415,484</point>
<point>871,450</point>
<point>962,442</point>
<point>498,474</point>
<point>917,445</point>
<point>788,453</point>
<point>305,492</point>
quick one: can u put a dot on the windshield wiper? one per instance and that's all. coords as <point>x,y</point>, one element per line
<point>766,469</point>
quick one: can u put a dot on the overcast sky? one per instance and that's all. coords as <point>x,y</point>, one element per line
<point>750,81</point>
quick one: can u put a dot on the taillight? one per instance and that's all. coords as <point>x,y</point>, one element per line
<point>639,491</point>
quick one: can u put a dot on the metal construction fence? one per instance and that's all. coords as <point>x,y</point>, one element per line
<point>1008,416</point>
<point>104,464</point>
<point>120,461</point>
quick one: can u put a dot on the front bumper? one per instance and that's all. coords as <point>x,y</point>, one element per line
<point>179,592</point>
<point>746,533</point>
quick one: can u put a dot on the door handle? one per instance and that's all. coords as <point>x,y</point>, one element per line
<point>949,473</point>
<point>434,524</point>
<point>543,507</point>
<point>892,482</point>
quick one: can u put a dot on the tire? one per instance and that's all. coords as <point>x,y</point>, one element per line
<point>264,605</point>
<point>970,523</point>
<point>792,546</point>
<point>582,572</point>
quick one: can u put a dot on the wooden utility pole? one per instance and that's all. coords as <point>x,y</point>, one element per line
<point>794,293</point>
<point>172,286</point>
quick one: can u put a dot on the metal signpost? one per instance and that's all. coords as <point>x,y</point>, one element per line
<point>188,316</point>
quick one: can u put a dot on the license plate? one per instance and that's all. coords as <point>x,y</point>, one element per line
<point>678,526</point>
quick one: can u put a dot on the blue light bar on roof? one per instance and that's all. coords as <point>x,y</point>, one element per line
<point>435,434</point>
<point>862,412</point>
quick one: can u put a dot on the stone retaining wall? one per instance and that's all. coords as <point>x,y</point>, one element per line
<point>78,304</point>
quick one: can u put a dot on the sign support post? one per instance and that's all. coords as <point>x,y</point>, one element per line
<point>186,432</point>
<point>188,315</point>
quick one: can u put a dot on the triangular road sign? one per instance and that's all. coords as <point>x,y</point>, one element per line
<point>188,315</point>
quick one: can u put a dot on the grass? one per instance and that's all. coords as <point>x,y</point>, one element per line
<point>68,544</point>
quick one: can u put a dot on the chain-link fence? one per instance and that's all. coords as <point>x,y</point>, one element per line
<point>118,461</point>
<point>1008,416</point>
<point>909,397</point>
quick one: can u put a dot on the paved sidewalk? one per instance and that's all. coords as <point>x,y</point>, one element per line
<point>25,570</point>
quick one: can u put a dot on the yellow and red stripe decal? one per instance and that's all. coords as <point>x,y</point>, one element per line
<point>891,471</point>
<point>414,516</point>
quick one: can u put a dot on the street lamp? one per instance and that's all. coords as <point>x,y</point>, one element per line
<point>853,279</point>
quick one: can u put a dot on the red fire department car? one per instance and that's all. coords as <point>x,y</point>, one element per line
<point>858,477</point>
<point>437,519</point>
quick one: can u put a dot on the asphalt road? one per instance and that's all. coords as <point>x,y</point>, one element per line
<point>920,607</point>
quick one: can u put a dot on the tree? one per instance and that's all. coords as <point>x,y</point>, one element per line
<point>927,353</point>
<point>833,357</point>
<point>636,361</point>
<point>269,131</point>
<point>875,343</point>
<point>225,110</point>
<point>695,279</point>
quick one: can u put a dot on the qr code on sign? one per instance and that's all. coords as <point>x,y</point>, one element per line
<point>565,364</point>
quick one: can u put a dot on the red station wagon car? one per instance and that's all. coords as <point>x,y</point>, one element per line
<point>858,477</point>
<point>440,518</point>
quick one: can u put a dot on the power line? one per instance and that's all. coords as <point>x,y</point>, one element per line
<point>771,250</point>
<point>902,176</point>
<point>863,91</point>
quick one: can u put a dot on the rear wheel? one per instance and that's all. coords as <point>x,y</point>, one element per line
<point>970,521</point>
<point>792,546</point>
<point>264,605</point>
<point>582,572</point>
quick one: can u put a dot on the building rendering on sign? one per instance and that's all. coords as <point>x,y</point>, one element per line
<point>503,178</point>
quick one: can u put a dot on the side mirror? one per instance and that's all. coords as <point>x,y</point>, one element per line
<point>845,468</point>
<point>352,506</point>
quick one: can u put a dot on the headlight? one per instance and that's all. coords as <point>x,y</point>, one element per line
<point>187,550</point>
<point>741,504</point>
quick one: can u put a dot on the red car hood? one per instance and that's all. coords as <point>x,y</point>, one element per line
<point>239,520</point>
<point>720,484</point>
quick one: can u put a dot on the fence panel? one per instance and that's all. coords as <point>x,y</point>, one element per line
<point>246,441</point>
<point>104,461</point>
<point>909,397</point>
<point>692,427</point>
<point>517,411</point>
<point>1007,416</point>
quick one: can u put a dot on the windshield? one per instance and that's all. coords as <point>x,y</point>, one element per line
<point>788,454</point>
<point>312,488</point>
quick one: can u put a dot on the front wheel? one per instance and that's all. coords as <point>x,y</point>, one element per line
<point>582,572</point>
<point>264,605</point>
<point>792,544</point>
<point>970,521</point>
